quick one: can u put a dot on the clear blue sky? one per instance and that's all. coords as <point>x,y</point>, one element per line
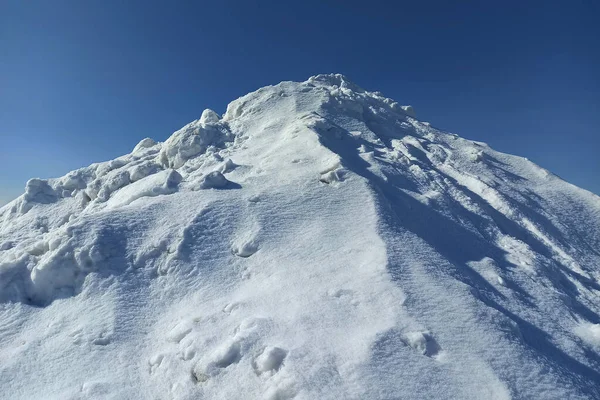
<point>84,81</point>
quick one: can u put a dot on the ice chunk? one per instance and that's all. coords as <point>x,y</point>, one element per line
<point>72,181</point>
<point>214,180</point>
<point>209,117</point>
<point>228,166</point>
<point>39,191</point>
<point>113,183</point>
<point>144,144</point>
<point>144,169</point>
<point>192,140</point>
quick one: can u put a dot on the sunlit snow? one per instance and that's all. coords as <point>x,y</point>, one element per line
<point>317,241</point>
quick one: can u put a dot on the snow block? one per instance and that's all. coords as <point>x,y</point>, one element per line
<point>193,140</point>
<point>209,117</point>
<point>214,180</point>
<point>143,145</point>
<point>39,191</point>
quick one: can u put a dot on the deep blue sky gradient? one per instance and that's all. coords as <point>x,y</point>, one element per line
<point>84,81</point>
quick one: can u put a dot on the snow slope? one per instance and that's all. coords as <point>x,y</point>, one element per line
<point>317,241</point>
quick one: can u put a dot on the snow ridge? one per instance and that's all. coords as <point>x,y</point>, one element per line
<point>316,241</point>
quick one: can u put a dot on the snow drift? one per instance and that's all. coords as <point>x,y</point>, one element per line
<point>317,241</point>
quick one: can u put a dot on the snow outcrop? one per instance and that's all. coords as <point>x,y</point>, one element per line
<point>410,111</point>
<point>144,144</point>
<point>317,241</point>
<point>214,180</point>
<point>39,191</point>
<point>194,139</point>
<point>164,182</point>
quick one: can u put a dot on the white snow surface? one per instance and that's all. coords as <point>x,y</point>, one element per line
<point>317,241</point>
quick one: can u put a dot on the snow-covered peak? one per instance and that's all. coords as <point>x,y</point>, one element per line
<point>316,241</point>
<point>334,81</point>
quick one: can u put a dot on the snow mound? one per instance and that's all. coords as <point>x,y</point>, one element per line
<point>193,139</point>
<point>316,241</point>
<point>39,191</point>
<point>214,180</point>
<point>143,145</point>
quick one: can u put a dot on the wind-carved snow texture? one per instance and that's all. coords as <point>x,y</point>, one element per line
<point>316,241</point>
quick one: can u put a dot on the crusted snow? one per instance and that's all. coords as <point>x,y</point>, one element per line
<point>317,241</point>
